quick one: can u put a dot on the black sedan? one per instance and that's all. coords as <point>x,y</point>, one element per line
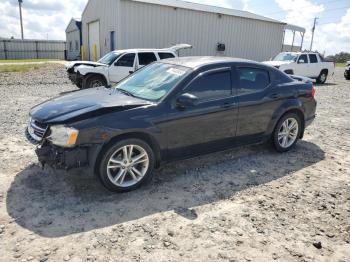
<point>347,71</point>
<point>174,109</point>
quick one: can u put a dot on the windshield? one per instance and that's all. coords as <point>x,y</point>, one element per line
<point>153,81</point>
<point>285,57</point>
<point>109,58</point>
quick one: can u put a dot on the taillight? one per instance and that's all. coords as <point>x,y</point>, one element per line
<point>313,90</point>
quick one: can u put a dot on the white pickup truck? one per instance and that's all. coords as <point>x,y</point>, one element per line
<point>309,64</point>
<point>116,65</point>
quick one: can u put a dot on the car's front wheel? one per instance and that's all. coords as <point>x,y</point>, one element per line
<point>94,81</point>
<point>287,132</point>
<point>126,165</point>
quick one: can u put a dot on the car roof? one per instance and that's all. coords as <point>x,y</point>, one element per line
<point>198,61</point>
<point>144,50</point>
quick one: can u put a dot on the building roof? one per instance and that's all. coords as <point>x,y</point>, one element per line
<point>209,9</point>
<point>197,61</point>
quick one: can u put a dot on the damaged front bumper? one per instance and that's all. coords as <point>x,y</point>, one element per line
<point>76,78</point>
<point>67,158</point>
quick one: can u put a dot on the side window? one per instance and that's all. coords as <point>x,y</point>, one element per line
<point>252,79</point>
<point>313,58</point>
<point>165,55</point>
<point>76,45</point>
<point>70,46</point>
<point>211,86</point>
<point>126,60</point>
<point>146,58</point>
<point>302,58</point>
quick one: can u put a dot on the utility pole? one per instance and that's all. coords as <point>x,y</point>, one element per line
<point>313,32</point>
<point>20,16</point>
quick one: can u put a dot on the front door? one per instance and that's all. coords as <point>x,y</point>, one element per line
<point>302,67</point>
<point>121,68</point>
<point>208,126</point>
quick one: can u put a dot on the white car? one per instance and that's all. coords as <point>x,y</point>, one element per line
<point>116,65</point>
<point>311,65</point>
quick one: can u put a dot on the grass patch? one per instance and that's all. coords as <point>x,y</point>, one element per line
<point>340,64</point>
<point>19,68</point>
<point>27,60</point>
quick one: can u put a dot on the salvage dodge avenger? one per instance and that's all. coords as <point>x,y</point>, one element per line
<point>173,109</point>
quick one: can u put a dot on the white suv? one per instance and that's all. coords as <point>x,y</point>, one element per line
<point>116,65</point>
<point>307,64</point>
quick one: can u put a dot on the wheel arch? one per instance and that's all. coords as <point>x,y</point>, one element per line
<point>148,138</point>
<point>294,107</point>
<point>88,75</point>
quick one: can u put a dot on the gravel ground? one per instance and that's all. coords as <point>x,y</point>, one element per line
<point>246,204</point>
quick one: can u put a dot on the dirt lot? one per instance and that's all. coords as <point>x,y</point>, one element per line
<point>247,204</point>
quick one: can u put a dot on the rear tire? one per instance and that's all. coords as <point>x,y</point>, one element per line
<point>287,132</point>
<point>126,164</point>
<point>322,78</point>
<point>94,81</point>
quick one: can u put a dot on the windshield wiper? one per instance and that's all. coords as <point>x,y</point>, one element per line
<point>125,92</point>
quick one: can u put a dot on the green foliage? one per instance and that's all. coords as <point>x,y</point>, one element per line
<point>342,57</point>
<point>19,68</point>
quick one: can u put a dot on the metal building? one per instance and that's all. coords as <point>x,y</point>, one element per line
<point>121,24</point>
<point>73,39</point>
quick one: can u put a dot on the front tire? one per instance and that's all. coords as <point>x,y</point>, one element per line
<point>287,132</point>
<point>94,81</point>
<point>126,165</point>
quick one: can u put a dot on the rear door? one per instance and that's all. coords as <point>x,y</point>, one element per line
<point>315,65</point>
<point>145,58</point>
<point>258,100</point>
<point>121,68</point>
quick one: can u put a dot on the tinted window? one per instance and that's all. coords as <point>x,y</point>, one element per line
<point>313,58</point>
<point>126,60</point>
<point>211,86</point>
<point>165,55</point>
<point>303,57</point>
<point>252,79</point>
<point>146,58</point>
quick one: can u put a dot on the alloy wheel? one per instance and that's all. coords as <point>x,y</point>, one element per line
<point>127,165</point>
<point>288,132</point>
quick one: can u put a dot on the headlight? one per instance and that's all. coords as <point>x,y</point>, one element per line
<point>63,136</point>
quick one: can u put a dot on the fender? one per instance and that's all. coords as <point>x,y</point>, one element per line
<point>288,105</point>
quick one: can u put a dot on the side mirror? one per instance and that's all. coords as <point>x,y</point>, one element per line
<point>301,61</point>
<point>186,100</point>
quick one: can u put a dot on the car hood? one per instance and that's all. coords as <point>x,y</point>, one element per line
<point>72,64</point>
<point>83,104</point>
<point>277,63</point>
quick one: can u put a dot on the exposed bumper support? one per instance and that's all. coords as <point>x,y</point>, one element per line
<point>66,158</point>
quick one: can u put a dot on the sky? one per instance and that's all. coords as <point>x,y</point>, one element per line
<point>47,19</point>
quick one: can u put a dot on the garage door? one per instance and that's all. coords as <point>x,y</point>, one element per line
<point>94,39</point>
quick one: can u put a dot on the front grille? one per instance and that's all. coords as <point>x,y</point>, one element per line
<point>36,130</point>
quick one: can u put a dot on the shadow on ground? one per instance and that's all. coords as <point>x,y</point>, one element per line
<point>52,203</point>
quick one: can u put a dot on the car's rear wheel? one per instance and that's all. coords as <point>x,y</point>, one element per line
<point>126,165</point>
<point>287,132</point>
<point>94,81</point>
<point>322,78</point>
